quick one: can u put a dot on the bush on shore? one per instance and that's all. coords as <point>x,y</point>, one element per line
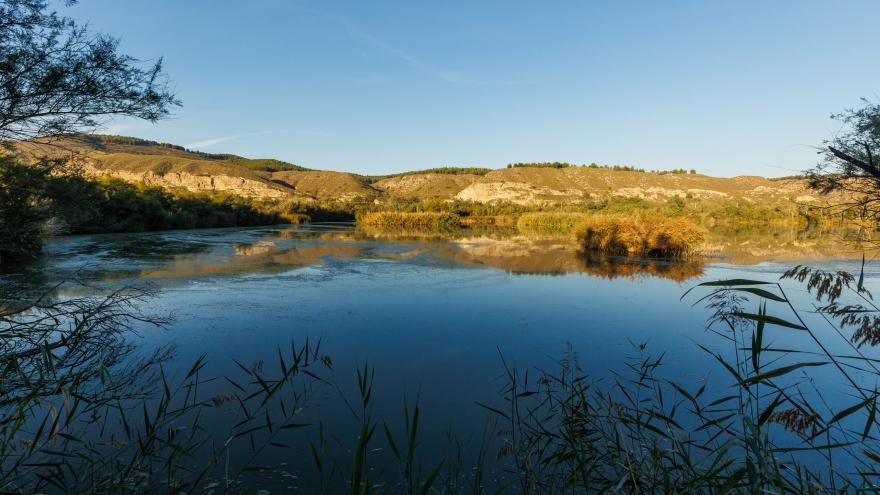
<point>410,220</point>
<point>641,235</point>
<point>551,222</point>
<point>113,205</point>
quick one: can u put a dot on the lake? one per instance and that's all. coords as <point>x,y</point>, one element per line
<point>432,314</point>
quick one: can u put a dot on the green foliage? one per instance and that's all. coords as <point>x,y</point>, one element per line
<point>23,208</point>
<point>559,165</point>
<point>113,205</point>
<point>100,142</point>
<point>58,78</point>
<point>539,165</point>
<point>619,168</point>
<point>851,161</point>
<point>34,197</point>
<point>703,211</point>
<point>263,164</point>
<point>312,211</point>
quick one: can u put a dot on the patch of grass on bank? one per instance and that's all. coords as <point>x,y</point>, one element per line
<point>489,220</point>
<point>642,235</point>
<point>551,222</point>
<point>410,220</point>
<point>703,211</point>
<point>101,141</point>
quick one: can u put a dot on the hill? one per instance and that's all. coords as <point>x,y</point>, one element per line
<point>175,167</point>
<point>528,185</point>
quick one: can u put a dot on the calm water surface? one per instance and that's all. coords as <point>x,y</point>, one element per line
<point>432,315</point>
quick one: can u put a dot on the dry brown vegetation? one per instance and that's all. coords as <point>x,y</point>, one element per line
<point>551,222</point>
<point>410,220</point>
<point>644,235</point>
<point>490,220</point>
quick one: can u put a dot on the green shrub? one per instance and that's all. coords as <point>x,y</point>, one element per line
<point>24,208</point>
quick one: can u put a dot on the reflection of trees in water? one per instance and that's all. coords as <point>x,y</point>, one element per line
<point>259,257</point>
<point>612,267</point>
<point>756,244</point>
<point>233,252</point>
<point>367,232</point>
<point>524,255</point>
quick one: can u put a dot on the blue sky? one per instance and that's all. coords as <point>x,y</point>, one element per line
<point>728,88</point>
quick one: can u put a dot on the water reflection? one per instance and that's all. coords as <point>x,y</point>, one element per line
<point>260,257</point>
<point>516,254</point>
<point>184,256</point>
<point>753,245</point>
<point>536,256</point>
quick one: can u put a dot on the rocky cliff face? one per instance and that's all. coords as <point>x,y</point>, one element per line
<point>576,185</point>
<point>242,186</point>
<point>518,192</point>
<point>527,186</point>
<point>425,186</point>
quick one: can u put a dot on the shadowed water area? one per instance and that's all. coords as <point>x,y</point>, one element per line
<point>432,313</point>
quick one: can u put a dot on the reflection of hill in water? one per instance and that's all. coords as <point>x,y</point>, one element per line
<point>514,254</point>
<point>427,234</point>
<point>747,246</point>
<point>529,254</point>
<point>260,257</point>
<point>187,255</point>
<point>525,255</point>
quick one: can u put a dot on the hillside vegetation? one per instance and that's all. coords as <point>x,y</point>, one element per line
<point>520,183</point>
<point>475,196</point>
<point>125,144</point>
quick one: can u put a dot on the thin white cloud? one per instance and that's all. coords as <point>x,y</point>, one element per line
<point>359,35</point>
<point>207,143</point>
<point>122,128</point>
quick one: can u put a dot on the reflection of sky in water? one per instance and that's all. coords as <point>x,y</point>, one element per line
<point>431,315</point>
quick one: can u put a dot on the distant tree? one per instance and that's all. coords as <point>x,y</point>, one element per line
<point>851,160</point>
<point>56,79</point>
